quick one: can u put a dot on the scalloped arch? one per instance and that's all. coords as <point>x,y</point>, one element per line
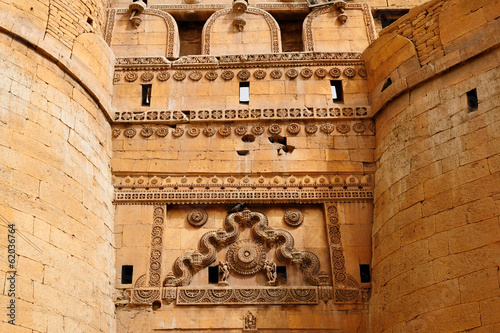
<point>273,26</point>
<point>172,43</point>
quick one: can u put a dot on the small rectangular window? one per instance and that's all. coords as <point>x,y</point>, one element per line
<point>213,274</point>
<point>244,92</point>
<point>337,93</point>
<point>281,274</point>
<point>127,273</point>
<point>146,94</point>
<point>364,272</point>
<point>472,101</point>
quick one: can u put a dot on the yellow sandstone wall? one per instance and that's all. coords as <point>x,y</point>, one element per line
<point>436,231</point>
<point>55,180</point>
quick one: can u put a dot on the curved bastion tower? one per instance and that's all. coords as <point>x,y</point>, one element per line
<point>250,166</point>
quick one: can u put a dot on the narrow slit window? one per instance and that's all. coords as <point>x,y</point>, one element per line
<point>387,83</point>
<point>213,274</point>
<point>146,94</point>
<point>364,272</point>
<point>337,93</point>
<point>244,92</point>
<point>127,273</point>
<point>472,101</point>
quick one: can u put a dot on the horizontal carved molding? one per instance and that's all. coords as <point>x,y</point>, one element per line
<point>241,296</point>
<point>244,181</point>
<point>248,295</point>
<point>231,295</point>
<point>303,7</point>
<point>288,113</point>
<point>286,59</point>
<point>226,131</point>
<point>211,195</point>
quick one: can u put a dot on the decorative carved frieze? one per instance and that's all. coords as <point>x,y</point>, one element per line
<point>264,60</point>
<point>224,131</point>
<point>306,295</point>
<point>155,259</point>
<point>243,181</point>
<point>291,113</point>
<point>214,195</point>
<point>247,295</point>
<point>246,256</point>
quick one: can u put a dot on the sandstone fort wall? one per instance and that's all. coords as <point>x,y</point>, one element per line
<point>55,181</point>
<point>436,218</point>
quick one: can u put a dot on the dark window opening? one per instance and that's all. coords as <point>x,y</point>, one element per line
<point>388,16</point>
<point>244,92</point>
<point>89,20</point>
<point>248,138</point>
<point>278,139</point>
<point>145,1</point>
<point>337,92</point>
<point>190,37</point>
<point>291,35</point>
<point>213,274</point>
<point>387,83</point>
<point>243,152</point>
<point>364,272</point>
<point>146,94</point>
<point>281,274</point>
<point>387,21</point>
<point>472,101</point>
<point>127,273</point>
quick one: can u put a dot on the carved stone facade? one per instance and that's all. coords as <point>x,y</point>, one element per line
<point>286,166</point>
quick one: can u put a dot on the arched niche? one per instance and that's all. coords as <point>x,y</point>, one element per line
<point>157,35</point>
<point>261,34</point>
<point>323,32</point>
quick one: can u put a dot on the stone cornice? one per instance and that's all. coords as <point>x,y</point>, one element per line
<point>284,59</point>
<point>243,189</point>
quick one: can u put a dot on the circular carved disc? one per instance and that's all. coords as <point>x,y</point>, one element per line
<point>197,217</point>
<point>246,256</point>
